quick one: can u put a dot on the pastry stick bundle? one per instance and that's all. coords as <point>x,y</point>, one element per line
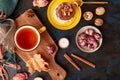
<point>37,63</point>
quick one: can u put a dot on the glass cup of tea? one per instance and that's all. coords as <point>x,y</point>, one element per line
<point>27,38</point>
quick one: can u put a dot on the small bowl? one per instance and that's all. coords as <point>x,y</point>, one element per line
<point>86,49</point>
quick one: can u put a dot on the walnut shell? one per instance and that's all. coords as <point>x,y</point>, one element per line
<point>100,10</point>
<point>98,22</point>
<point>88,15</point>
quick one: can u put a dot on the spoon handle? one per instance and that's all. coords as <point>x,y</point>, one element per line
<point>95,2</point>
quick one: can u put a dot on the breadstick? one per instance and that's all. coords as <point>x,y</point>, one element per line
<point>83,60</point>
<point>71,61</point>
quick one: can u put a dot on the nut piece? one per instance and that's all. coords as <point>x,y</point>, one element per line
<point>100,10</point>
<point>88,15</point>
<point>98,22</point>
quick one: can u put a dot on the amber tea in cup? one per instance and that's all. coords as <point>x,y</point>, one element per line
<point>27,38</point>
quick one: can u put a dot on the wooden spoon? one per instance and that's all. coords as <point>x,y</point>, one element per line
<point>80,2</point>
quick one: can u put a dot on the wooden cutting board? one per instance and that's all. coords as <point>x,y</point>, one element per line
<point>30,18</point>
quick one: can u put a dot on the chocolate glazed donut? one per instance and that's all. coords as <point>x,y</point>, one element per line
<point>65,11</point>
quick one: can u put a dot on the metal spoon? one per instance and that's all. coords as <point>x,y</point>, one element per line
<point>80,2</point>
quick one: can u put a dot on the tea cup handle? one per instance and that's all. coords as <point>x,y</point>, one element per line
<point>42,29</point>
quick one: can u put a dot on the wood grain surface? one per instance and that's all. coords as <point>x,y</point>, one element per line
<point>30,18</point>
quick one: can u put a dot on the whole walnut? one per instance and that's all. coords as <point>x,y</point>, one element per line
<point>100,10</point>
<point>88,15</point>
<point>98,22</point>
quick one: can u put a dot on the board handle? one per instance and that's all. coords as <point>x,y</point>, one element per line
<point>56,72</point>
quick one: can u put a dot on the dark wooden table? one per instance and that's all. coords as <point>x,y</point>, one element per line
<point>107,58</point>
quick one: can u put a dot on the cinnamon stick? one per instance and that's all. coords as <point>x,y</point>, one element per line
<point>83,60</point>
<point>71,61</point>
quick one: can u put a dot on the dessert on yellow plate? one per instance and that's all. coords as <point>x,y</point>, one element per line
<point>63,14</point>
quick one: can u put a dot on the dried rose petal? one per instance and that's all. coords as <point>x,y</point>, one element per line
<point>17,78</point>
<point>82,36</point>
<point>97,36</point>
<point>51,49</point>
<point>40,3</point>
<point>90,46</point>
<point>89,32</point>
<point>91,40</point>
<point>95,44</point>
<point>82,42</point>
<point>20,76</point>
<point>26,75</point>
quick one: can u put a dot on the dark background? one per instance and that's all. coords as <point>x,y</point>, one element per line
<point>107,58</point>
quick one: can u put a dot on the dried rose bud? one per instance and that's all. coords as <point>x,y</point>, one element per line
<point>82,36</point>
<point>51,49</point>
<point>95,44</point>
<point>90,46</point>
<point>89,32</point>
<point>97,36</point>
<point>40,3</point>
<point>82,43</point>
<point>20,76</point>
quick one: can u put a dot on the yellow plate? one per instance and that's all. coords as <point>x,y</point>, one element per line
<point>66,25</point>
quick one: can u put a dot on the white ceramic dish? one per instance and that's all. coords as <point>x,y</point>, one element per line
<point>85,49</point>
